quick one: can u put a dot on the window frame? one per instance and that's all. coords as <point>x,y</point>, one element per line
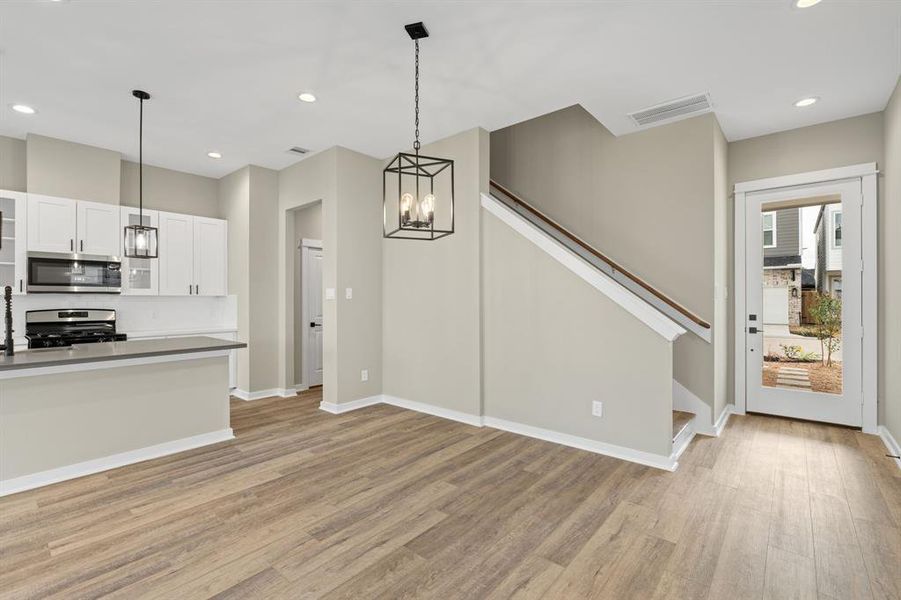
<point>764,228</point>
<point>836,213</point>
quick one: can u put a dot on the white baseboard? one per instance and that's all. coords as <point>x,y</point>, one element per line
<point>343,407</point>
<point>249,396</point>
<point>287,392</point>
<point>667,463</point>
<point>301,387</point>
<point>720,424</point>
<point>891,443</point>
<point>657,461</point>
<point>89,467</point>
<point>429,409</point>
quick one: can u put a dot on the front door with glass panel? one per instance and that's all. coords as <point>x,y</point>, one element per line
<point>803,316</point>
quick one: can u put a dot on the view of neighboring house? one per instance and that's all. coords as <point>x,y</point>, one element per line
<point>782,267</point>
<point>828,230</point>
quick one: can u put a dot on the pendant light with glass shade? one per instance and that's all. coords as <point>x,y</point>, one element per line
<point>141,241</point>
<point>417,190</point>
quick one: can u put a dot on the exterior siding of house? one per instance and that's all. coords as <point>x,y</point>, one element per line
<point>787,234</point>
<point>829,259</point>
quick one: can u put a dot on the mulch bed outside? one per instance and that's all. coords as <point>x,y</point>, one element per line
<point>822,378</point>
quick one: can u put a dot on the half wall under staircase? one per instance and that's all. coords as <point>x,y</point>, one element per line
<point>592,366</point>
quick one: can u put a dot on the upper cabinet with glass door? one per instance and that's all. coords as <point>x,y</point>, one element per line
<point>12,240</point>
<point>140,276</point>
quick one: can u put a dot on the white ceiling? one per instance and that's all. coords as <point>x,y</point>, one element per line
<point>225,75</point>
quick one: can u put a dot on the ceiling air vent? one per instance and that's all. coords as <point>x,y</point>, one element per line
<point>681,107</point>
<point>298,150</point>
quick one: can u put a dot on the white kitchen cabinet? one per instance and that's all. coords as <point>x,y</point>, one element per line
<point>65,225</point>
<point>193,255</point>
<point>176,249</point>
<point>51,224</point>
<point>13,207</point>
<point>97,226</point>
<point>140,276</point>
<point>210,256</point>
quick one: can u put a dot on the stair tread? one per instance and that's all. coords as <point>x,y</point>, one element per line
<point>680,420</point>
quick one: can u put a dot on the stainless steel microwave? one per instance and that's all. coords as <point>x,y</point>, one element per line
<point>52,272</point>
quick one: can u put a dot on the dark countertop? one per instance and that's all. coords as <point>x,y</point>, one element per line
<point>91,353</point>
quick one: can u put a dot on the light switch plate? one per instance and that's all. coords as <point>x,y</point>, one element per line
<point>348,293</point>
<point>597,408</point>
<point>364,375</point>
<point>329,293</point>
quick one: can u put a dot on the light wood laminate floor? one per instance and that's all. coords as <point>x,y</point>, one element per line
<point>388,503</point>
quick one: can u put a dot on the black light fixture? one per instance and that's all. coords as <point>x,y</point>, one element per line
<point>418,191</point>
<point>141,241</point>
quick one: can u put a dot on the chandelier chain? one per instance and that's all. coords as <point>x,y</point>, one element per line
<point>416,96</point>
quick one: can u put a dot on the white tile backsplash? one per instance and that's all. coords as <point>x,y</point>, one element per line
<point>136,314</point>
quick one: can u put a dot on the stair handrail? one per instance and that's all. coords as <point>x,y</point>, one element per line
<point>616,268</point>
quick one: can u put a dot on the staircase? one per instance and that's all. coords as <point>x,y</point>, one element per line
<point>655,309</point>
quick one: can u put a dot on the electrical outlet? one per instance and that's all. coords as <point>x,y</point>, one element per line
<point>348,293</point>
<point>364,375</point>
<point>597,408</point>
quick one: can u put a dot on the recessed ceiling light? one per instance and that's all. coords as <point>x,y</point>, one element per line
<point>806,101</point>
<point>307,97</point>
<point>214,154</point>
<point>24,109</point>
<point>806,3</point>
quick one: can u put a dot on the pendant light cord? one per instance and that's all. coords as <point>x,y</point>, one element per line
<point>141,164</point>
<point>416,144</point>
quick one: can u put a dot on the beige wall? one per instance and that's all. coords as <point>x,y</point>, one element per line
<point>722,332</point>
<point>890,271</point>
<point>262,272</point>
<point>60,168</point>
<point>307,225</point>
<point>553,344</point>
<point>835,144</point>
<point>309,181</point>
<point>431,331</point>
<point>12,164</point>
<point>234,206</point>
<point>248,200</point>
<point>359,267</point>
<point>629,197</point>
<point>168,190</point>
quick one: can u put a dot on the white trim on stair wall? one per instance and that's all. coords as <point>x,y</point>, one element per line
<point>667,463</point>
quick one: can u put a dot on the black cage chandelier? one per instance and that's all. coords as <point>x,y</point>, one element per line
<point>141,241</point>
<point>417,190</point>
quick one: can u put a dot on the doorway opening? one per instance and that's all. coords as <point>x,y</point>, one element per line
<point>308,295</point>
<point>805,301</point>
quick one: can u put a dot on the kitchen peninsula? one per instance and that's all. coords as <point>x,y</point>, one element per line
<point>70,412</point>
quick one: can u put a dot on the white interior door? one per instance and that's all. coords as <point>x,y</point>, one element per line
<point>98,228</point>
<point>311,264</point>
<point>783,377</point>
